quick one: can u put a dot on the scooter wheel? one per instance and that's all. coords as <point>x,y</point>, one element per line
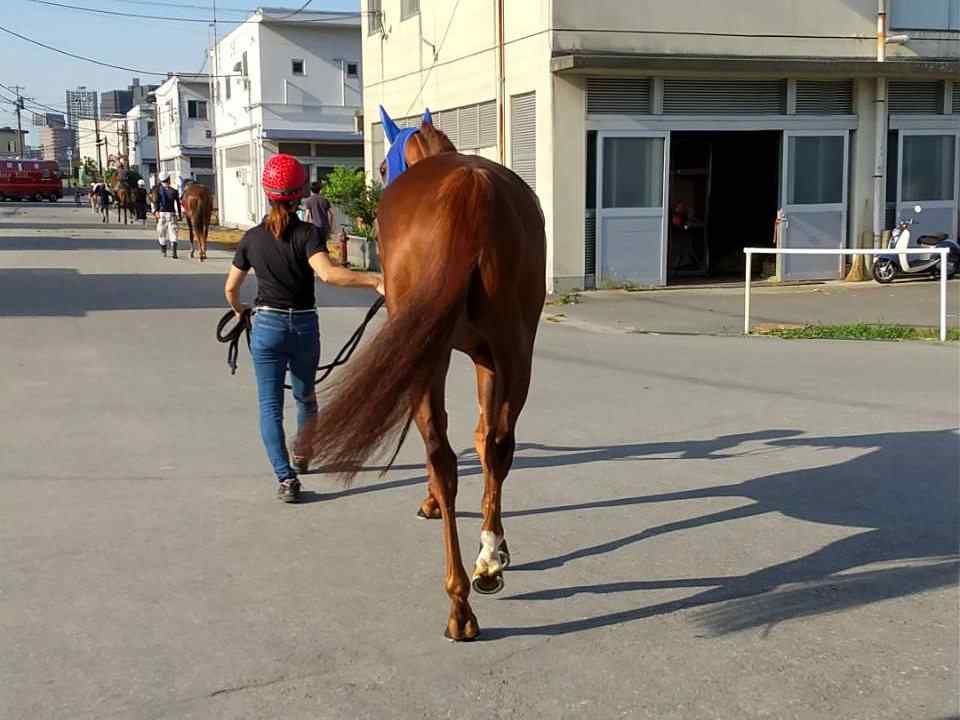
<point>884,271</point>
<point>953,267</point>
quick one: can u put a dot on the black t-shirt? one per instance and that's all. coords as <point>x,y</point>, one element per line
<point>284,276</point>
<point>318,207</point>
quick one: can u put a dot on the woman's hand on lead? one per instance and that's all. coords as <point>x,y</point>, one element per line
<point>240,310</point>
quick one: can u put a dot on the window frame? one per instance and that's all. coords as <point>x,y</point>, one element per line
<point>356,69</point>
<point>303,67</point>
<point>374,17</point>
<point>405,12</point>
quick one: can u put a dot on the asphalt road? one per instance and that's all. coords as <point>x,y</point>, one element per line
<point>701,527</point>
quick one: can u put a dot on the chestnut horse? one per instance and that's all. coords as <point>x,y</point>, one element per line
<point>197,208</point>
<point>463,251</point>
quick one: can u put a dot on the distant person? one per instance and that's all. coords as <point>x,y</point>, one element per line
<point>318,211</point>
<point>168,213</point>
<point>104,198</point>
<point>140,201</point>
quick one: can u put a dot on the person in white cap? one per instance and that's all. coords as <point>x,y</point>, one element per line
<point>167,211</point>
<point>140,201</point>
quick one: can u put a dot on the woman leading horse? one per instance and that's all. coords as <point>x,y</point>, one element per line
<point>286,253</point>
<point>464,256</point>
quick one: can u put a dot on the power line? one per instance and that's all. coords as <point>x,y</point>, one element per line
<point>132,15</point>
<point>137,71</point>
<point>295,12</point>
<point>186,6</point>
<point>436,55</point>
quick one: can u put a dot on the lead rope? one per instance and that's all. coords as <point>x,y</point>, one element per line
<point>243,326</point>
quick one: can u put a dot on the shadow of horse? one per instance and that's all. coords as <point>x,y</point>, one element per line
<point>902,491</point>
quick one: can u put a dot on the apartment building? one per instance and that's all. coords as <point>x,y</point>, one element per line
<point>184,129</point>
<point>284,83</point>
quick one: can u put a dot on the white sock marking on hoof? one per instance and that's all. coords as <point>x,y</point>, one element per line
<point>488,561</point>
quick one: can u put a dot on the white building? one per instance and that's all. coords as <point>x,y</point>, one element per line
<point>184,129</point>
<point>284,84</point>
<point>663,136</point>
<point>142,140</point>
<point>103,141</point>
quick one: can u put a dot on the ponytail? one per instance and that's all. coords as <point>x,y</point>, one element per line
<point>279,217</point>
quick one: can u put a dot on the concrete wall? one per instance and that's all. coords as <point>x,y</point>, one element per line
<point>324,51</point>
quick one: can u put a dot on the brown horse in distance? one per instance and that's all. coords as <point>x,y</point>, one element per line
<point>124,198</point>
<point>464,257</point>
<point>197,207</point>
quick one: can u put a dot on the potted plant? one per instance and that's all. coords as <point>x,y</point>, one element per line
<point>347,190</point>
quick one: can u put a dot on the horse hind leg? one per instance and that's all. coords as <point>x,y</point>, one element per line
<point>190,232</point>
<point>442,474</point>
<point>502,389</point>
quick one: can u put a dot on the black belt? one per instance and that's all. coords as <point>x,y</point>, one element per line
<point>243,325</point>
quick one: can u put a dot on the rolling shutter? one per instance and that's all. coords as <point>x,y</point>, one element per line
<point>448,122</point>
<point>378,151</point>
<point>724,97</point>
<point>956,97</point>
<point>921,97</point>
<point>469,127</point>
<point>824,97</point>
<point>618,96</point>
<point>523,137</point>
<point>488,124</point>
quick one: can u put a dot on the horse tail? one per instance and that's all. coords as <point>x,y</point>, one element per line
<point>378,398</point>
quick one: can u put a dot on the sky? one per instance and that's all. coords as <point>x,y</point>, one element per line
<point>155,45</point>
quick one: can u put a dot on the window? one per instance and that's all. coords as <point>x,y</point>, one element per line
<point>928,168</point>
<point>226,87</point>
<point>151,128</point>
<point>201,163</point>
<point>632,172</point>
<point>409,8</point>
<point>300,149</point>
<point>926,15</point>
<point>196,109</point>
<point>374,17</point>
<point>353,70</point>
<point>296,67</point>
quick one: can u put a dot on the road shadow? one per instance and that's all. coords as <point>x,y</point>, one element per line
<point>42,243</point>
<point>901,491</point>
<point>92,224</point>
<point>49,292</point>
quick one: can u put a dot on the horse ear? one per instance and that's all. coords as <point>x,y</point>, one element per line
<point>390,129</point>
<point>427,117</point>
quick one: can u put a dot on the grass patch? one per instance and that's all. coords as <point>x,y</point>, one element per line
<point>861,331</point>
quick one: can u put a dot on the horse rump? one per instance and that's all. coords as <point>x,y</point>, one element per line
<point>377,399</point>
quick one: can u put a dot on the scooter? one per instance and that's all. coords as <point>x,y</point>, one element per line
<point>886,268</point>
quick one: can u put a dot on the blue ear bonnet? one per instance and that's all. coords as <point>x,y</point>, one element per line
<point>397,157</point>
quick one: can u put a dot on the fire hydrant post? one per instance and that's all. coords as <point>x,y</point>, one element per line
<point>343,247</point>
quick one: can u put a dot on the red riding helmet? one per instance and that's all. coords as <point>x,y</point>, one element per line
<point>284,178</point>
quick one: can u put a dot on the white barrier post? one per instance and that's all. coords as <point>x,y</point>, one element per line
<point>746,292</point>
<point>942,252</point>
<point>943,294</point>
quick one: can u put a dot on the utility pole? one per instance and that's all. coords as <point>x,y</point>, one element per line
<point>96,126</point>
<point>17,89</point>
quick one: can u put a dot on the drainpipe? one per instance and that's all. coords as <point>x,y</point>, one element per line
<point>501,90</point>
<point>879,174</point>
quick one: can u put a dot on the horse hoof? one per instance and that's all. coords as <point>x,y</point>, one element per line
<point>470,632</point>
<point>423,516</point>
<point>488,584</point>
<point>503,555</point>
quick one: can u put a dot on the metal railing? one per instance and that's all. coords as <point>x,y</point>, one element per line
<point>942,252</point>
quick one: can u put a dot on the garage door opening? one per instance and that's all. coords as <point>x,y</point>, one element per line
<point>724,196</point>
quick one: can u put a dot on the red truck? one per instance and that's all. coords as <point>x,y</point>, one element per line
<point>30,180</point>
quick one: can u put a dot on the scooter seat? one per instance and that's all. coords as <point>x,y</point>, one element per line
<point>931,240</point>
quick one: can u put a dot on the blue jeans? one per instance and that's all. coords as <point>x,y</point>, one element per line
<point>280,341</point>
